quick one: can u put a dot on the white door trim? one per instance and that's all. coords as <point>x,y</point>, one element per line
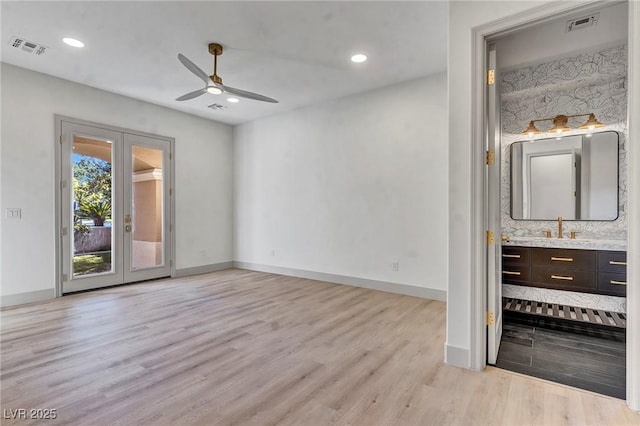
<point>58,119</point>
<point>478,269</point>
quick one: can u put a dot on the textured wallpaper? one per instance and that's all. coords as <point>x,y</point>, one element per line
<point>588,82</point>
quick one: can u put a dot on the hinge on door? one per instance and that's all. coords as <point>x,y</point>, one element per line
<point>490,238</point>
<point>491,77</point>
<point>63,232</point>
<point>63,184</point>
<point>490,158</point>
<point>64,277</point>
<point>490,318</point>
<point>170,191</point>
<point>60,139</point>
<point>170,156</point>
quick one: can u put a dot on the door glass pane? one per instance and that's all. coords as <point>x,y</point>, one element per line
<point>147,221</point>
<point>91,197</point>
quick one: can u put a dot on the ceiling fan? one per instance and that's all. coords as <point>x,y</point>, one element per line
<point>213,83</point>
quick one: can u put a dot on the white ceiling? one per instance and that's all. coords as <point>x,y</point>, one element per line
<point>296,52</point>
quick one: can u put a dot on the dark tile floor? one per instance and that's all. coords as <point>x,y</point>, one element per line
<point>586,358</point>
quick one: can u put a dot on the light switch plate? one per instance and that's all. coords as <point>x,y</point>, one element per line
<point>13,213</point>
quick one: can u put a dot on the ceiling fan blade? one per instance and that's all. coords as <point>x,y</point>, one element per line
<point>248,95</point>
<point>192,95</point>
<point>193,68</point>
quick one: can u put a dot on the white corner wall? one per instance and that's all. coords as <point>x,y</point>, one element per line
<point>203,173</point>
<point>346,188</point>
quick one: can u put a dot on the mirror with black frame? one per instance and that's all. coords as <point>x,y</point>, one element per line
<point>574,177</point>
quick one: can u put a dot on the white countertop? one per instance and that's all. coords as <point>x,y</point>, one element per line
<point>578,243</point>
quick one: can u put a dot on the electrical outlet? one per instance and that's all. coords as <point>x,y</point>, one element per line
<point>395,266</point>
<point>12,213</point>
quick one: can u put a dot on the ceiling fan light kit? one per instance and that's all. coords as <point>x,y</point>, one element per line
<point>213,83</point>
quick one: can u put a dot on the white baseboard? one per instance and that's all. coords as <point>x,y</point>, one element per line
<point>204,269</point>
<point>409,290</point>
<point>28,297</point>
<point>456,356</point>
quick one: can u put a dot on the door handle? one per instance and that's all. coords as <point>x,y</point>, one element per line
<point>127,218</point>
<point>127,228</point>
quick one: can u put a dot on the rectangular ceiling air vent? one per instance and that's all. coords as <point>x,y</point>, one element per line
<point>27,46</point>
<point>582,22</point>
<point>217,107</point>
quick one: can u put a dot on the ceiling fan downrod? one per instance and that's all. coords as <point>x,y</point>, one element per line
<point>215,49</point>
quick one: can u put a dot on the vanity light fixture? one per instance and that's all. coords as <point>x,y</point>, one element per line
<point>591,123</point>
<point>531,130</point>
<point>560,124</point>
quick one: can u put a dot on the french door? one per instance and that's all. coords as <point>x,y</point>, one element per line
<point>115,207</point>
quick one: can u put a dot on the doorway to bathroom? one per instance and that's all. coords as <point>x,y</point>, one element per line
<point>557,279</point>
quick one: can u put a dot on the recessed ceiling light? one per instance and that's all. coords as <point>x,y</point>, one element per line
<point>233,100</point>
<point>73,42</point>
<point>358,57</point>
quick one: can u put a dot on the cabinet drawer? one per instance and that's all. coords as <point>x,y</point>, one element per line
<point>565,258</point>
<point>612,261</point>
<point>612,283</point>
<point>515,274</point>
<point>515,255</point>
<point>567,279</point>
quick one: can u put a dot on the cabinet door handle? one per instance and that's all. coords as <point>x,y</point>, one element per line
<point>562,259</point>
<point>614,282</point>
<point>511,273</point>
<point>615,262</point>
<point>512,256</point>
<point>561,277</point>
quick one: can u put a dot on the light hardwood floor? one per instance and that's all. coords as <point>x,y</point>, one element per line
<point>241,347</point>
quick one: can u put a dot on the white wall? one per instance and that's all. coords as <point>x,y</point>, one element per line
<point>348,187</point>
<point>203,173</point>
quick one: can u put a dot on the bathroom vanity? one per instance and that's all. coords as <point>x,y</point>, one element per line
<point>588,271</point>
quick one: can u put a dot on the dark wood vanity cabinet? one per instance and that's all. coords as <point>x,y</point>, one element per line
<point>612,272</point>
<point>589,271</point>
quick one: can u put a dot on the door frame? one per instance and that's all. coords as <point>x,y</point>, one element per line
<point>58,190</point>
<point>478,265</point>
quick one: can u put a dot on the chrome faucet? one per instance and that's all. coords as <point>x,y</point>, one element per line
<point>559,226</point>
